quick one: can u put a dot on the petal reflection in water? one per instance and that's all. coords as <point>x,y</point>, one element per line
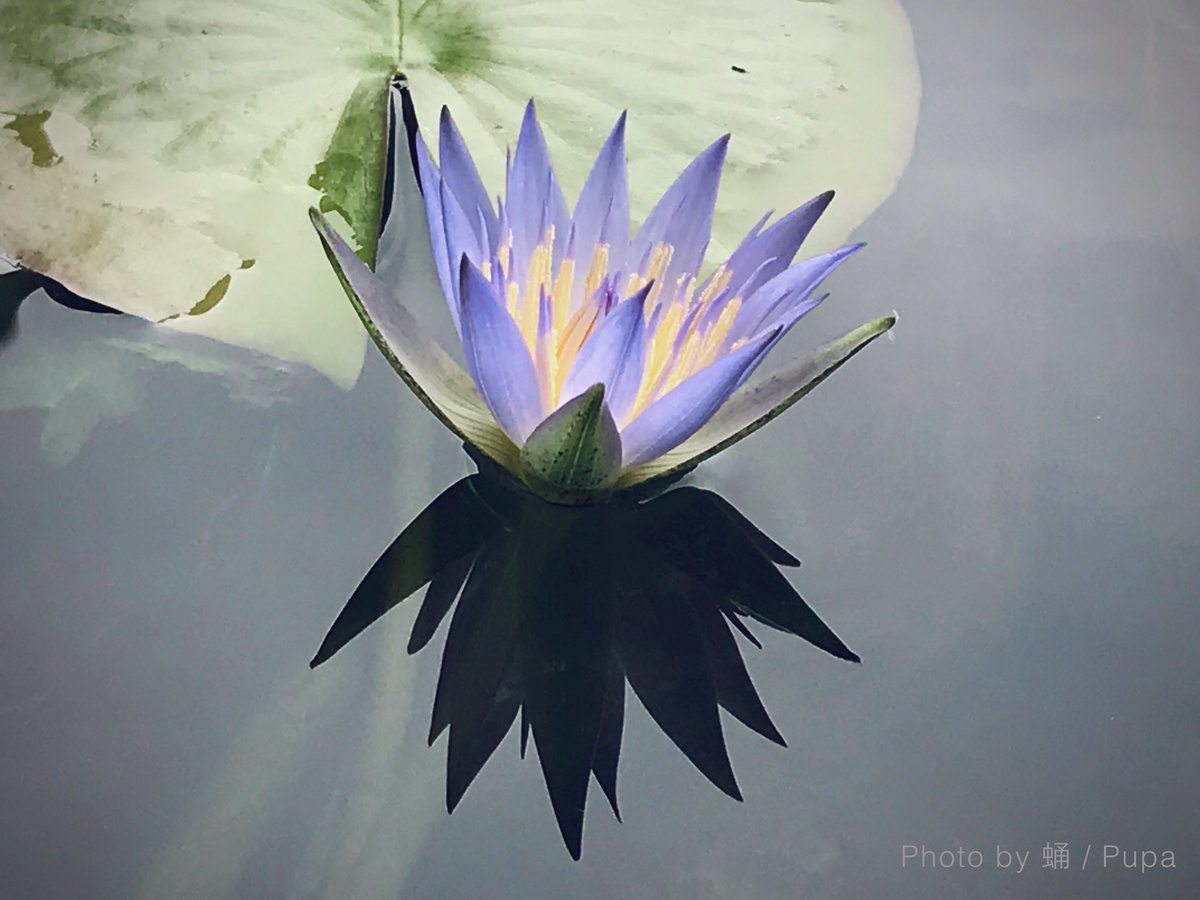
<point>555,608</point>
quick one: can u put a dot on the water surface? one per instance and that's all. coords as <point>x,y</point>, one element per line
<point>997,511</point>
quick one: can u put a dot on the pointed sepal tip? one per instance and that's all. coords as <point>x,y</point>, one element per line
<point>574,456</point>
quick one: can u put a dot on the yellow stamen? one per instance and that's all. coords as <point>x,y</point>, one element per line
<point>716,335</point>
<point>700,349</point>
<point>529,324</point>
<point>660,258</point>
<point>685,286</point>
<point>596,272</point>
<point>566,332</point>
<point>683,365</point>
<point>537,279</point>
<point>546,360</point>
<point>560,298</point>
<point>555,337</point>
<point>538,276</point>
<point>511,297</point>
<point>577,332</point>
<point>716,284</point>
<point>663,340</point>
<point>550,382</point>
<point>504,254</point>
<point>658,356</point>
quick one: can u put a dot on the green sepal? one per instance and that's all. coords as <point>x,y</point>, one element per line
<point>574,456</point>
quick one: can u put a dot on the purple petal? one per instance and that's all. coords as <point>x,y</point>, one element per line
<point>757,403</point>
<point>680,413</point>
<point>683,217</point>
<point>793,312</point>
<point>497,356</point>
<point>431,193</point>
<point>502,223</point>
<point>774,298</point>
<point>750,236</point>
<point>613,356</point>
<point>460,173</point>
<point>602,212</point>
<point>445,389</point>
<point>760,257</point>
<point>544,345</point>
<point>461,234</point>
<point>782,325</point>
<point>450,231</point>
<point>532,194</point>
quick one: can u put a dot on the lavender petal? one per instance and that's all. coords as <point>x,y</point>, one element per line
<point>613,355</point>
<point>532,195</point>
<point>683,216</point>
<point>773,298</point>
<point>755,404</point>
<point>461,237</point>
<point>460,173</point>
<point>431,192</point>
<point>761,257</point>
<point>602,211</point>
<point>679,414</point>
<point>497,356</point>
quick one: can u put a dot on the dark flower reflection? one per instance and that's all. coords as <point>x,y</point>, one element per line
<point>558,607</point>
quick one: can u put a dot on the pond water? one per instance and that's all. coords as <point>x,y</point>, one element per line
<point>998,510</point>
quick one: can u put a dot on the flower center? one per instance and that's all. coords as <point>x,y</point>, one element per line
<point>686,328</point>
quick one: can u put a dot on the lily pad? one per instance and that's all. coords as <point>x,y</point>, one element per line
<point>161,160</point>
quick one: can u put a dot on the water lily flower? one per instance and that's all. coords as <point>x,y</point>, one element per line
<point>597,361</point>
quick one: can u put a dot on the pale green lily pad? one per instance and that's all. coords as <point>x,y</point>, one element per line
<point>160,158</point>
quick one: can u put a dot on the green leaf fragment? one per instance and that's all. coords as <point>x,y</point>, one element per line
<point>30,129</point>
<point>351,174</point>
<point>214,296</point>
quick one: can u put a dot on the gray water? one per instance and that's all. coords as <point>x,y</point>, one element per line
<point>998,511</point>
